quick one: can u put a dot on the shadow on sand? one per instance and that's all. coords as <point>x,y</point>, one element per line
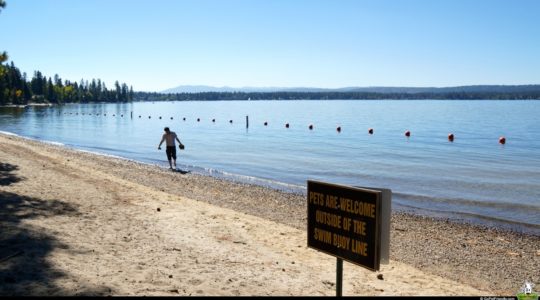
<point>6,174</point>
<point>181,171</point>
<point>24,248</point>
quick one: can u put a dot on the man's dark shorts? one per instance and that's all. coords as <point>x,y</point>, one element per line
<point>171,152</point>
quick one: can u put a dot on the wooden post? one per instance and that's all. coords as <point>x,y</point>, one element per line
<point>132,115</point>
<point>247,121</point>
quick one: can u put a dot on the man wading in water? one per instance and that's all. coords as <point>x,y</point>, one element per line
<point>169,137</point>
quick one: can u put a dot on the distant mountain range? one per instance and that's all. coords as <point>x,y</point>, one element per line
<point>383,90</point>
<point>226,89</point>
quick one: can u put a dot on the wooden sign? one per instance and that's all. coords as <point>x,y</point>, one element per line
<point>345,222</point>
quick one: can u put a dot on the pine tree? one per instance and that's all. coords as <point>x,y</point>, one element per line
<point>50,91</point>
<point>124,92</point>
<point>118,91</point>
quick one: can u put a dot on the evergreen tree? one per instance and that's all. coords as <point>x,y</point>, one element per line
<point>27,94</point>
<point>118,91</point>
<point>124,93</point>
<point>50,91</point>
<point>3,58</point>
<point>3,55</point>
<point>45,87</point>
<point>37,83</point>
<point>99,96</point>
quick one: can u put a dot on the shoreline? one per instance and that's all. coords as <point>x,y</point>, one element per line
<point>27,105</point>
<point>483,222</point>
<point>487,259</point>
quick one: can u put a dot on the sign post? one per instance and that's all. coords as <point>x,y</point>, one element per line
<point>346,222</point>
<point>339,277</point>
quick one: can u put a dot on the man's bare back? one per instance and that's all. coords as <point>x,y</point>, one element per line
<point>169,138</point>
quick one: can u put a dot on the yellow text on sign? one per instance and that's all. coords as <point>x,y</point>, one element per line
<point>341,241</point>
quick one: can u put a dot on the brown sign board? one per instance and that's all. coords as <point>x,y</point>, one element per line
<point>345,222</point>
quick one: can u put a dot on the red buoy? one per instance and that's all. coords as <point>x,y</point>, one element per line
<point>451,137</point>
<point>370,131</point>
<point>338,129</point>
<point>265,123</point>
<point>502,140</point>
<point>310,126</point>
<point>287,125</point>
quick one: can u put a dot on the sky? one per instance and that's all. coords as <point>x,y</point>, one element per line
<point>160,44</point>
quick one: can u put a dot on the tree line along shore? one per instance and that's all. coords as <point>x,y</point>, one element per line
<point>454,95</point>
<point>17,89</point>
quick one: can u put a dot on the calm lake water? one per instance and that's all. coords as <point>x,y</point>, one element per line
<point>473,178</point>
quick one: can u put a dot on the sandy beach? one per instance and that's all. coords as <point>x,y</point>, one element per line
<point>76,223</point>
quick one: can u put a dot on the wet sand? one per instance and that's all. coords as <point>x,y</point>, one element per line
<point>76,223</point>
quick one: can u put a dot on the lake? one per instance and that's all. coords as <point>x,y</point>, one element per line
<point>474,178</point>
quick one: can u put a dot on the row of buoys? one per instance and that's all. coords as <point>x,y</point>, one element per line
<point>451,137</point>
<point>502,139</point>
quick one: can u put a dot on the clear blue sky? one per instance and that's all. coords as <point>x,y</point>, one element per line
<point>159,44</point>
